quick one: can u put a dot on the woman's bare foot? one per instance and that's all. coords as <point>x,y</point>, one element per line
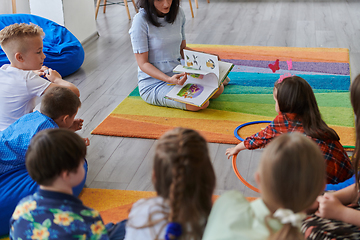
<point>226,81</point>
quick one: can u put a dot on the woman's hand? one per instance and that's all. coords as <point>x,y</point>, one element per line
<point>330,207</point>
<point>178,79</point>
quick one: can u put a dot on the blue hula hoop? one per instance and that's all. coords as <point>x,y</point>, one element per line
<point>244,125</point>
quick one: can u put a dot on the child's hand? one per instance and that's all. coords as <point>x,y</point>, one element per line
<point>231,151</point>
<point>178,79</point>
<point>41,72</point>
<point>77,124</point>
<point>87,141</point>
<point>235,150</point>
<point>329,207</point>
<point>53,75</point>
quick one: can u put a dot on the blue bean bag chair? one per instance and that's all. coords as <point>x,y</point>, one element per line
<point>63,51</point>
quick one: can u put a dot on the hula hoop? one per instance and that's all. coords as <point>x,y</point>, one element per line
<point>240,177</point>
<point>244,125</point>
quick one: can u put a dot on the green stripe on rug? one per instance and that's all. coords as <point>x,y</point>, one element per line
<point>323,99</point>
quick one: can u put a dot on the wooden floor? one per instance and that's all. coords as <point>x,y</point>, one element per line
<point>108,74</point>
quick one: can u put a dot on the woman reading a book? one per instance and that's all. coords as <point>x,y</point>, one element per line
<point>158,40</point>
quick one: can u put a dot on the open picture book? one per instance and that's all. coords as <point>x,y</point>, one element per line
<point>205,75</point>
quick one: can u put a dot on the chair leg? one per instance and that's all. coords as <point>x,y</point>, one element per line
<point>97,8</point>
<point>136,9</point>
<point>192,13</point>
<point>197,4</point>
<point>104,6</point>
<point>14,6</point>
<point>127,9</point>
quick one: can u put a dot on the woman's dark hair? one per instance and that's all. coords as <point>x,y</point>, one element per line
<point>151,14</point>
<point>355,102</point>
<point>53,151</point>
<point>295,95</point>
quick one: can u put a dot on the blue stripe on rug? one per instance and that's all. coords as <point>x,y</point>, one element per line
<point>236,89</point>
<point>333,82</point>
<point>321,67</point>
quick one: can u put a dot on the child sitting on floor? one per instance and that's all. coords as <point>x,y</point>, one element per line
<point>58,109</point>
<point>19,84</point>
<point>184,180</point>
<point>290,177</point>
<point>334,219</point>
<point>298,111</point>
<point>55,160</point>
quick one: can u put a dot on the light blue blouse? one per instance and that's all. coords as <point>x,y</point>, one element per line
<point>163,47</point>
<point>161,43</point>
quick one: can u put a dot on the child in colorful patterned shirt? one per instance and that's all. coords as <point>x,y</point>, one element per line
<point>298,111</point>
<point>55,160</point>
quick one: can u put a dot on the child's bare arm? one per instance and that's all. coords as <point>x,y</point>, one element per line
<point>56,80</point>
<point>331,207</point>
<point>346,195</point>
<point>235,150</point>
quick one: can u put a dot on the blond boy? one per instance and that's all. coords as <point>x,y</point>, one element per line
<point>20,81</point>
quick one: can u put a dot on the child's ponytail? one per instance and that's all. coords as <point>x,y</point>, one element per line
<point>287,232</point>
<point>177,188</point>
<point>184,176</point>
<point>291,225</point>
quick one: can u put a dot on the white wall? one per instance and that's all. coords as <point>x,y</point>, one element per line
<point>50,9</point>
<point>79,16</point>
<point>76,15</point>
<point>22,6</point>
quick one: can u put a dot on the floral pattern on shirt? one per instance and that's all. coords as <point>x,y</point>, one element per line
<point>49,215</point>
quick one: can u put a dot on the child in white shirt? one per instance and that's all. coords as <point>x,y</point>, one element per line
<point>20,81</point>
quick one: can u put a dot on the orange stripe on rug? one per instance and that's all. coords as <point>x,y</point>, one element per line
<point>113,126</point>
<point>217,131</point>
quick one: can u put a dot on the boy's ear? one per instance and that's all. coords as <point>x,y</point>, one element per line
<point>61,121</point>
<point>19,57</point>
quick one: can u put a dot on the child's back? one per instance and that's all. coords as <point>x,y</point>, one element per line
<point>58,103</point>
<point>290,177</point>
<point>55,161</point>
<point>184,180</point>
<point>298,111</point>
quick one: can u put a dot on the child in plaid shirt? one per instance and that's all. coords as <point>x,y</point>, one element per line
<point>298,111</point>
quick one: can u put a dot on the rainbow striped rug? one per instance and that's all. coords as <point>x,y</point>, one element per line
<point>248,97</point>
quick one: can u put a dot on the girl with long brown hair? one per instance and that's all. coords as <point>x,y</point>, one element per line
<point>184,181</point>
<point>290,177</point>
<point>298,111</point>
<point>333,206</point>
